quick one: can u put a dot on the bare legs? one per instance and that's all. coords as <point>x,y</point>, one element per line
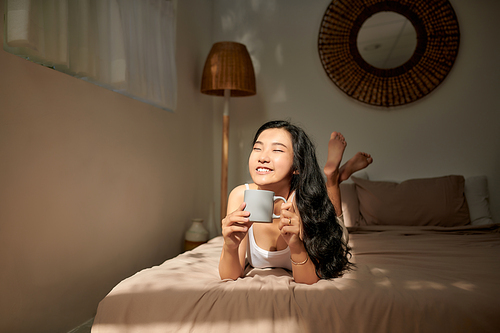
<point>335,174</point>
<point>358,162</point>
<point>336,147</point>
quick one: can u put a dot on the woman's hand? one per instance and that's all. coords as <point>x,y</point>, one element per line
<point>291,226</point>
<point>235,227</point>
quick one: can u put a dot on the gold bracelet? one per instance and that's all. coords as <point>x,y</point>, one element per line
<point>299,263</point>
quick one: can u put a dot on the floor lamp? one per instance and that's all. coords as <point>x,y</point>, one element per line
<point>228,72</point>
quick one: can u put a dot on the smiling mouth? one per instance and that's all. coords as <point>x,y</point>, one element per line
<point>263,170</point>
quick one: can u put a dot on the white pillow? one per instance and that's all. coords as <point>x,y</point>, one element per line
<point>360,174</point>
<point>476,193</point>
<point>350,202</point>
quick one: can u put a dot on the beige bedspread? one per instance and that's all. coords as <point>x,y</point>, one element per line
<point>408,279</point>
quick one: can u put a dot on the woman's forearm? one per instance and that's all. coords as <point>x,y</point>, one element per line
<point>229,264</point>
<point>302,267</point>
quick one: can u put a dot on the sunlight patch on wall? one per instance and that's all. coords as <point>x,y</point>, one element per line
<point>279,95</point>
<point>278,52</point>
<point>269,6</point>
<point>228,22</point>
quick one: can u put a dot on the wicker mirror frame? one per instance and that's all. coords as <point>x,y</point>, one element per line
<point>438,38</point>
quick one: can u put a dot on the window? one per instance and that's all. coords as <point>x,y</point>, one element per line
<point>127,46</point>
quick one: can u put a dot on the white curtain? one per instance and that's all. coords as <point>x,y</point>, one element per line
<point>124,45</point>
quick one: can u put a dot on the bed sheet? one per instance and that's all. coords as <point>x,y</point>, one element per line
<point>407,279</point>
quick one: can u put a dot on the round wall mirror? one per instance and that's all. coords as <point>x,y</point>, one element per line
<point>386,40</point>
<point>404,81</point>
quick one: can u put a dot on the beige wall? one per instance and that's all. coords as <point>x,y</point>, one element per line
<point>454,130</point>
<point>94,185</point>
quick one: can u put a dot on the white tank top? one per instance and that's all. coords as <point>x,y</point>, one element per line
<point>260,258</point>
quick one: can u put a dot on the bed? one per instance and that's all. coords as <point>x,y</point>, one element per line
<point>434,275</point>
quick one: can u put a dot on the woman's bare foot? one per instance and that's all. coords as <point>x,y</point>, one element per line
<point>336,147</point>
<point>356,163</point>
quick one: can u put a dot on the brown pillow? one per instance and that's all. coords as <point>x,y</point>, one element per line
<point>416,202</point>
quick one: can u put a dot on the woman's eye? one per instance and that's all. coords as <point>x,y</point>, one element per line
<point>278,150</point>
<point>256,149</point>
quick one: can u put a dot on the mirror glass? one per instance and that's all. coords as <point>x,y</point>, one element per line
<point>387,40</point>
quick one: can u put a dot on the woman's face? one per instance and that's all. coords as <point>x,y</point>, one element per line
<point>271,160</point>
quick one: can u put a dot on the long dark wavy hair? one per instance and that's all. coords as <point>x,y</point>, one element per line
<point>321,232</point>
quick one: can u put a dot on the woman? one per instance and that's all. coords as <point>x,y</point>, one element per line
<point>307,238</point>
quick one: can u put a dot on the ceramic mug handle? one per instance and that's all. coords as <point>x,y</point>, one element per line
<point>278,198</point>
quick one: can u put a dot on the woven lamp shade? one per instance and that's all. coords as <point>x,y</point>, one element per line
<point>228,66</point>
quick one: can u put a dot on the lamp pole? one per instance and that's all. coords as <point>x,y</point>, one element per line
<point>228,72</point>
<point>225,154</point>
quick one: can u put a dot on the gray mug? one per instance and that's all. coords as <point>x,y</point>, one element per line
<point>260,204</point>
